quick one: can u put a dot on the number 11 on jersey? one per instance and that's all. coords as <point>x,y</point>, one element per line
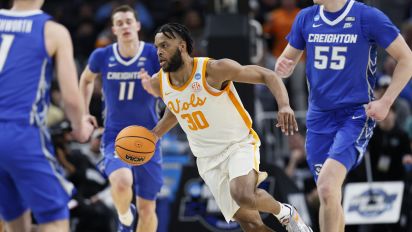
<point>123,90</point>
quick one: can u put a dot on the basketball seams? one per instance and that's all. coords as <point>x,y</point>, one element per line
<point>135,136</point>
<point>137,152</point>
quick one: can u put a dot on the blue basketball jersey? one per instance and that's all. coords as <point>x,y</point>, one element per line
<point>126,102</point>
<point>341,52</point>
<point>25,67</point>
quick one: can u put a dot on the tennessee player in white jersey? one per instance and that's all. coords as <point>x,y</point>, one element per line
<point>201,97</point>
<point>199,109</point>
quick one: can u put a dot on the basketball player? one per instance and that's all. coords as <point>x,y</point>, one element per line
<point>201,97</point>
<point>341,38</point>
<point>29,177</point>
<point>126,103</point>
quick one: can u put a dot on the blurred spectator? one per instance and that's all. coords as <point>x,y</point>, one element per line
<point>388,147</point>
<point>195,23</point>
<point>84,40</point>
<point>55,113</point>
<point>265,7</point>
<point>407,32</point>
<point>297,153</point>
<point>277,27</point>
<point>279,24</point>
<point>88,210</point>
<point>388,69</point>
<point>402,107</point>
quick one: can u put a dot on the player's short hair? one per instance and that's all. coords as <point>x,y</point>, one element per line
<point>123,8</point>
<point>170,30</point>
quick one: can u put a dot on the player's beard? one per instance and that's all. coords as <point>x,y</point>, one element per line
<point>175,62</point>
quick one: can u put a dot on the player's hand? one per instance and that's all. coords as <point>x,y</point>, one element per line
<point>147,85</point>
<point>287,121</point>
<point>156,136</point>
<point>284,67</point>
<point>377,110</point>
<point>83,132</point>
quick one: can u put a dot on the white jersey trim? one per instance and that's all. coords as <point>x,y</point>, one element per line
<point>127,63</point>
<point>338,19</point>
<point>20,13</point>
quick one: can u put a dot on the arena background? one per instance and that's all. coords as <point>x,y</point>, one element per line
<point>378,195</point>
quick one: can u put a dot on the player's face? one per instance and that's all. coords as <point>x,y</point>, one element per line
<point>168,52</point>
<point>125,26</point>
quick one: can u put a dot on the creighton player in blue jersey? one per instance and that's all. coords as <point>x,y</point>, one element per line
<point>126,103</point>
<point>29,177</point>
<point>341,39</point>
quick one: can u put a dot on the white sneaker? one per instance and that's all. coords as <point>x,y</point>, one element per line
<point>293,222</point>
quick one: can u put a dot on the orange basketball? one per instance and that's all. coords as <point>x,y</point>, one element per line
<point>135,145</point>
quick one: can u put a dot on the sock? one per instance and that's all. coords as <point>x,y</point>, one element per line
<point>284,211</point>
<point>126,218</point>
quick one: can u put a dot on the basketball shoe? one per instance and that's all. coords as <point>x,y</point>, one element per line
<point>131,228</point>
<point>293,222</point>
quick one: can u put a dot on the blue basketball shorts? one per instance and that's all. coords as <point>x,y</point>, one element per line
<point>147,178</point>
<point>342,135</point>
<point>30,177</point>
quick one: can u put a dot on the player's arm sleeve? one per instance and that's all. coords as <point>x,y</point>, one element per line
<point>378,27</point>
<point>295,36</point>
<point>95,60</point>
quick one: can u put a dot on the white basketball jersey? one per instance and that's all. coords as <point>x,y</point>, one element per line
<point>212,119</point>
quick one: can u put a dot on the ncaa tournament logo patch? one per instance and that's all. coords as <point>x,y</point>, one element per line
<point>112,59</point>
<point>316,18</point>
<point>196,87</point>
<point>198,76</point>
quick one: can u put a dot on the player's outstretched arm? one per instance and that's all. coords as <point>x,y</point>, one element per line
<point>59,45</point>
<point>226,69</point>
<point>151,85</point>
<point>400,51</point>
<point>165,124</point>
<point>86,86</point>
<point>287,61</point>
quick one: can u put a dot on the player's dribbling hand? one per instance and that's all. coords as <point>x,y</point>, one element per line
<point>284,67</point>
<point>287,121</point>
<point>83,132</point>
<point>378,110</point>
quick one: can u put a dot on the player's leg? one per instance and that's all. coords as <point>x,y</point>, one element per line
<point>121,182</point>
<point>22,223</point>
<point>147,215</point>
<point>250,221</point>
<point>348,147</point>
<point>244,176</point>
<point>13,210</point>
<point>148,182</point>
<point>330,183</point>
<point>246,195</point>
<point>38,180</point>
<point>55,226</point>
<point>244,192</point>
